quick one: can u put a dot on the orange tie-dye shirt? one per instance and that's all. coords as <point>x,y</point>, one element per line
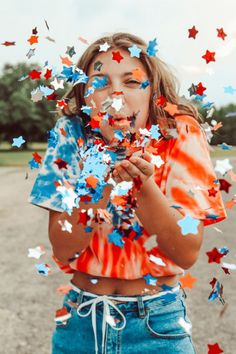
<point>185,178</point>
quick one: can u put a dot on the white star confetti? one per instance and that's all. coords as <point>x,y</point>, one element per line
<point>223,166</point>
<point>117,104</point>
<point>36,252</point>
<point>65,225</point>
<point>157,161</point>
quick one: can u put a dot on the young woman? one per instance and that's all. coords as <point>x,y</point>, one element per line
<point>126,180</point>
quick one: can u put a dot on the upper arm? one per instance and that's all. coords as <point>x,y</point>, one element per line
<point>60,166</point>
<point>190,174</point>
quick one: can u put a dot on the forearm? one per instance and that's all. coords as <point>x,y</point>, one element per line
<point>158,217</point>
<point>64,243</point>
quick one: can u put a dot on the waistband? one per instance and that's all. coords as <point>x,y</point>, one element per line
<point>125,298</point>
<point>109,300</point>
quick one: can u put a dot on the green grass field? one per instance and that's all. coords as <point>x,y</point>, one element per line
<point>18,157</point>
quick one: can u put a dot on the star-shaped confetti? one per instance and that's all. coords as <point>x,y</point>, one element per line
<point>30,53</point>
<point>224,185</point>
<point>115,238</point>
<point>34,74</point>
<point>8,43</point>
<point>192,32</point>
<point>214,349</point>
<point>223,166</point>
<point>18,141</point>
<point>70,51</point>
<point>117,56</point>
<point>103,47</point>
<point>134,51</point>
<point>36,252</point>
<point>43,269</point>
<point>33,39</point>
<point>150,280</point>
<point>188,225</point>
<point>230,90</point>
<point>65,225</point>
<point>187,281</point>
<point>151,48</point>
<point>215,255</point>
<point>220,33</point>
<point>209,56</point>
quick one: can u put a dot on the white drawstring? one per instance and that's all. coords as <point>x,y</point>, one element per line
<point>106,312</point>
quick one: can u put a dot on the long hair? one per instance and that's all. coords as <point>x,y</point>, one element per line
<point>163,83</point>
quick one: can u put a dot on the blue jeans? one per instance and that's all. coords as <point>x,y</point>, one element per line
<point>157,325</point>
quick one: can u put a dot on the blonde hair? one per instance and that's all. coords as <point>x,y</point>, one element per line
<point>163,83</point>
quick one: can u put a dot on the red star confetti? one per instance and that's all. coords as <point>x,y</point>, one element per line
<point>187,281</point>
<point>33,40</point>
<point>48,74</point>
<point>117,56</point>
<point>62,315</point>
<point>62,104</point>
<point>37,157</point>
<point>160,101</point>
<point>200,89</point>
<point>209,56</point>
<point>52,97</point>
<point>61,163</point>
<point>212,192</point>
<point>224,185</point>
<point>192,32</point>
<point>214,256</point>
<point>34,74</point>
<point>221,34</point>
<point>214,349</point>
<point>8,44</point>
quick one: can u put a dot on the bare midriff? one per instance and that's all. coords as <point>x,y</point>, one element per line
<point>111,286</point>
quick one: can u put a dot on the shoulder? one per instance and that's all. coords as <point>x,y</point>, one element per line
<point>186,125</point>
<point>72,126</point>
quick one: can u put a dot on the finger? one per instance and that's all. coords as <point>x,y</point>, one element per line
<point>123,173</point>
<point>132,170</point>
<point>145,167</point>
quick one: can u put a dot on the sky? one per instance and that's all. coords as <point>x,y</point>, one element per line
<point>166,20</point>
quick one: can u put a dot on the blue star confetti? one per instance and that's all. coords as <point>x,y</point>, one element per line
<point>188,225</point>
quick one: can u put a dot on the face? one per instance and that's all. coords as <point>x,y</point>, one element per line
<point>122,94</point>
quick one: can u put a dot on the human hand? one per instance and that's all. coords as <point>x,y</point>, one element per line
<point>127,170</point>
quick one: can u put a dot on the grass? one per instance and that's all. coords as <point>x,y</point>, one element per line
<point>17,157</point>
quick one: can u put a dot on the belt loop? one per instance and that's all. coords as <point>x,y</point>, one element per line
<point>185,295</point>
<point>80,297</point>
<point>141,308</point>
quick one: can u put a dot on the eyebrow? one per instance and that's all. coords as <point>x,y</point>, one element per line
<point>125,74</point>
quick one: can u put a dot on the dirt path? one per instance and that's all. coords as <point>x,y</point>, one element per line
<point>28,300</point>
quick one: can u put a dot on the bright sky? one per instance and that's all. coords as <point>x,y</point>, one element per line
<point>166,20</point>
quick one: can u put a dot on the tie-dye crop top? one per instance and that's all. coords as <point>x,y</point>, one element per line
<point>185,177</point>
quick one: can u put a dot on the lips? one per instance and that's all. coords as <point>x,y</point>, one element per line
<point>119,117</point>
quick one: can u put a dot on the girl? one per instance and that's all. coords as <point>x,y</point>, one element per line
<point>126,180</point>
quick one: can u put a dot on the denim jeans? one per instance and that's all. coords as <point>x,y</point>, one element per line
<point>157,325</point>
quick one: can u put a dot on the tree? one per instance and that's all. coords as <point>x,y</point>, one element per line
<point>19,115</point>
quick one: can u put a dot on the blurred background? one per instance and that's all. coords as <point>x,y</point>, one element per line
<point>27,109</point>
